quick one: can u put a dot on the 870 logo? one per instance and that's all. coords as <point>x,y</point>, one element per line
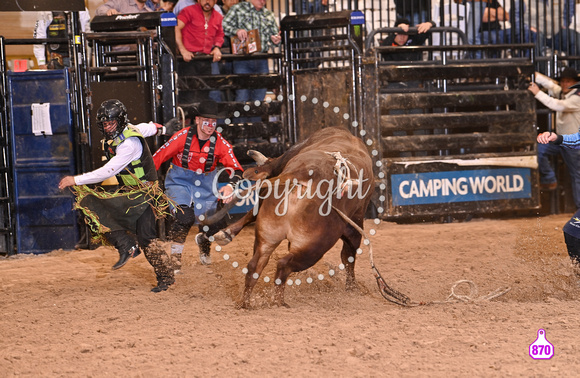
<point>541,349</point>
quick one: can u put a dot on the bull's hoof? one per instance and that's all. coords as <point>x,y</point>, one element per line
<point>242,305</point>
<point>223,237</point>
<point>280,302</point>
<point>357,288</point>
<point>352,286</point>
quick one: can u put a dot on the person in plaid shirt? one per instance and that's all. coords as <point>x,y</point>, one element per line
<point>246,16</point>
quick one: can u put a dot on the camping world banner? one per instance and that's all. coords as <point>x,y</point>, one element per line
<point>460,186</point>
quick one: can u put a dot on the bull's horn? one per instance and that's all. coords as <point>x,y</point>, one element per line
<point>258,157</point>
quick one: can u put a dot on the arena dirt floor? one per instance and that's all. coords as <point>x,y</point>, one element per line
<point>67,313</point>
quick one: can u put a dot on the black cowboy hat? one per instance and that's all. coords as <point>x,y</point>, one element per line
<point>568,73</point>
<point>207,109</point>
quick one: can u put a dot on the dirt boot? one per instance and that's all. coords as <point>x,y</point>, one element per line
<point>161,265</point>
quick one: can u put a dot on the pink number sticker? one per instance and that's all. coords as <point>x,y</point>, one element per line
<point>541,349</point>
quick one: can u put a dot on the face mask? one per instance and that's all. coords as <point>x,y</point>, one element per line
<point>205,123</point>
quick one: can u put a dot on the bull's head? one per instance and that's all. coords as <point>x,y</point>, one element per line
<point>262,170</point>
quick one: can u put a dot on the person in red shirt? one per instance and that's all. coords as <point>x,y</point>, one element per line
<point>191,180</point>
<point>198,32</point>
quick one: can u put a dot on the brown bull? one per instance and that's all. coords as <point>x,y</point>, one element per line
<point>314,185</point>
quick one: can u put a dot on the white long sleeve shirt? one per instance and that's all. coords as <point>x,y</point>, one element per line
<point>567,109</point>
<point>130,149</point>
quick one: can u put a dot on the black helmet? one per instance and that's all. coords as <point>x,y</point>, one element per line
<point>112,110</point>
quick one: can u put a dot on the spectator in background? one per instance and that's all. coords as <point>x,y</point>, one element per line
<point>112,7</point>
<point>551,19</point>
<point>225,6</point>
<point>311,6</point>
<point>199,32</point>
<point>494,17</point>
<point>241,18</point>
<point>405,39</point>
<point>51,25</point>
<point>181,4</point>
<point>224,67</point>
<point>565,101</point>
<point>520,31</point>
<point>167,5</point>
<point>473,24</point>
<point>416,11</point>
<point>155,5</point>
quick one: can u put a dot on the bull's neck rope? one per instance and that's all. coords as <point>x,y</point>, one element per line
<point>342,169</point>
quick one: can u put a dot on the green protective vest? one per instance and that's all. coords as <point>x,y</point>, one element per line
<point>143,168</point>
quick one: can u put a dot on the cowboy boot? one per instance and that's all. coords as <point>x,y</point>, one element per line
<point>124,256</point>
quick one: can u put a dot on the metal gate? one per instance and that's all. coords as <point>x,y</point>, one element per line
<point>460,140</point>
<point>41,141</point>
<point>7,211</point>
<point>323,54</point>
<point>448,135</point>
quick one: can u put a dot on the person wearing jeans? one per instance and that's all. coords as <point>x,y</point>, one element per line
<point>240,19</point>
<point>564,99</point>
<point>474,22</point>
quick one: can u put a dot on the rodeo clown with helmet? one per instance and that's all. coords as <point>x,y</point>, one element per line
<point>191,180</point>
<point>134,208</point>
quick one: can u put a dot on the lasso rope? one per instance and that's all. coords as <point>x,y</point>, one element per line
<point>401,299</point>
<point>471,297</point>
<point>386,291</point>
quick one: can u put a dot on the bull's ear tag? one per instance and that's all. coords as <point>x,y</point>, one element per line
<point>541,349</point>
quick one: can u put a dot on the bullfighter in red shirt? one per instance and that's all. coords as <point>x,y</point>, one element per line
<point>191,180</point>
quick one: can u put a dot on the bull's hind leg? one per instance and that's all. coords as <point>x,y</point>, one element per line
<point>262,253</point>
<point>228,234</point>
<point>351,241</point>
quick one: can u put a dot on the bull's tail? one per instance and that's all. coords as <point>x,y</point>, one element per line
<point>386,291</point>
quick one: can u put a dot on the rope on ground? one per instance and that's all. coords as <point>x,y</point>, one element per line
<point>386,291</point>
<point>471,297</point>
<point>401,299</point>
